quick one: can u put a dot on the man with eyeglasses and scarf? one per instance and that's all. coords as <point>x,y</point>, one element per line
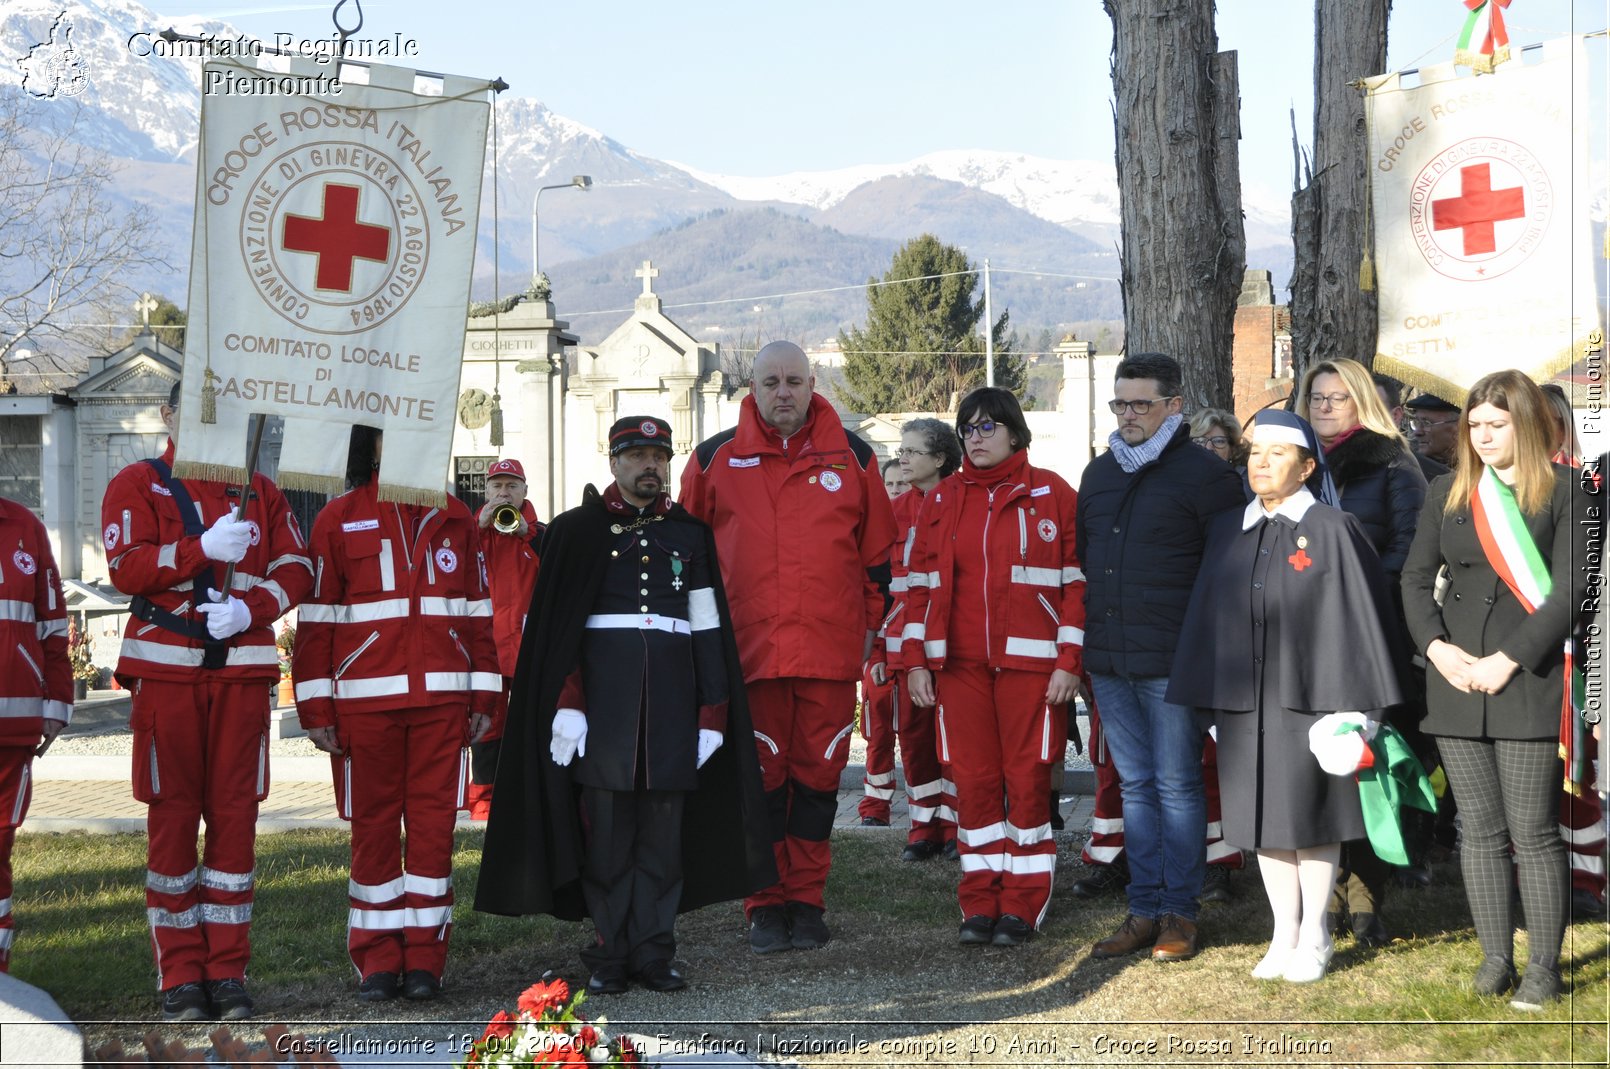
<point>1144,507</point>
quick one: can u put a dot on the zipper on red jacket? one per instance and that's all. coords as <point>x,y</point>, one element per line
<point>39,676</point>
<point>989,514</point>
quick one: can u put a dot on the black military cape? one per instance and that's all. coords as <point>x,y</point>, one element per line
<point>1340,643</point>
<point>532,858</point>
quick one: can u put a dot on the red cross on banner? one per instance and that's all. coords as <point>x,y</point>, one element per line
<point>337,239</point>
<point>1300,559</point>
<point>1477,208</point>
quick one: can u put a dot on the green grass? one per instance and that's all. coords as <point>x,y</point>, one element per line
<point>893,962</point>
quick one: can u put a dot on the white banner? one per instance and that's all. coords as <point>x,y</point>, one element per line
<point>1483,251</point>
<point>330,269</point>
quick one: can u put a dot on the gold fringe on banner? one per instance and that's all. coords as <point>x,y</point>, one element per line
<point>233,474</point>
<point>413,495</point>
<point>1366,273</point>
<point>1418,379</point>
<point>1481,62</point>
<point>495,433</point>
<point>330,485</point>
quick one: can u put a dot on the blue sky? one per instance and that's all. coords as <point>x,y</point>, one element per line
<point>758,88</point>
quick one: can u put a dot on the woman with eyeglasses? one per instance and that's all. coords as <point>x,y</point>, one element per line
<point>1503,529</point>
<point>1219,432</point>
<point>928,453</point>
<point>993,639</point>
<point>1380,483</point>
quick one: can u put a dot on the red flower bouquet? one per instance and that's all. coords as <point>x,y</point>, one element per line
<point>548,1029</point>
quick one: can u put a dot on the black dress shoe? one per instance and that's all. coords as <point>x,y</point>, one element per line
<point>1585,905</point>
<point>977,930</point>
<point>421,985</point>
<point>806,929</point>
<point>874,822</point>
<point>1369,931</point>
<point>921,850</point>
<point>379,987</point>
<point>607,982</point>
<point>661,976</point>
<point>1216,885</point>
<point>1010,931</point>
<point>1103,880</point>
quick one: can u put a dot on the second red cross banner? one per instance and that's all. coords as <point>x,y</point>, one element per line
<point>330,272</point>
<point>1484,256</point>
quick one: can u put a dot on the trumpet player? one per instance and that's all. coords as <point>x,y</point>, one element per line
<point>512,538</point>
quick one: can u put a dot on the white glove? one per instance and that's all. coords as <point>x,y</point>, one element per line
<point>225,617</point>
<point>227,541</point>
<point>709,743</point>
<point>569,735</point>
<point>1338,741</point>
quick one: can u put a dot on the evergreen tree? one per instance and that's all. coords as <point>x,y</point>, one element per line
<point>920,350</point>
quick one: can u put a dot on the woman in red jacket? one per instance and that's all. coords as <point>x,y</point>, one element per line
<point>993,637</point>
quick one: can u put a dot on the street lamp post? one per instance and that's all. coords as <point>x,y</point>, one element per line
<point>582,182</point>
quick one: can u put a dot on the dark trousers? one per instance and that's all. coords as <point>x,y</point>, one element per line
<point>1508,791</point>
<point>632,879</point>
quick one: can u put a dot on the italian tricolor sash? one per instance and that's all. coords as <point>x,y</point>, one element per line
<point>1515,557</point>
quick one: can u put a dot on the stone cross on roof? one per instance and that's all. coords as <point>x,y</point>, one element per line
<point>145,306</point>
<point>648,273</point>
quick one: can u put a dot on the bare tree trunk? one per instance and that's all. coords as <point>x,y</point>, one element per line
<point>1184,248</point>
<point>1330,315</point>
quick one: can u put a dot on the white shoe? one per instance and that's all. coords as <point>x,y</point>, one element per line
<point>1273,965</point>
<point>1307,964</point>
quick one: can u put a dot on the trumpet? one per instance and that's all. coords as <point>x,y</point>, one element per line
<point>506,519</point>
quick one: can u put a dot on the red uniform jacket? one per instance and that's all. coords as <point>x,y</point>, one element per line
<point>906,507</point>
<point>399,616</point>
<point>511,566</point>
<point>36,678</point>
<point>803,531</point>
<point>1034,591</point>
<point>149,555</point>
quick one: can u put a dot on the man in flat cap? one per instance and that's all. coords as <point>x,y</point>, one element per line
<point>1433,427</point>
<point>627,687</point>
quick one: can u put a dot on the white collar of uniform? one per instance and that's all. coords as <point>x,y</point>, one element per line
<point>1294,508</point>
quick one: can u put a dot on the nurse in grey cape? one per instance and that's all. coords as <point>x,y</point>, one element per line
<point>1287,632</point>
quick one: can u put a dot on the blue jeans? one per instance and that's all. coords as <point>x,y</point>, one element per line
<point>1157,748</point>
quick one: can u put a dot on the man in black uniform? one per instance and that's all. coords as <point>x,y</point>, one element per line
<point>629,680</point>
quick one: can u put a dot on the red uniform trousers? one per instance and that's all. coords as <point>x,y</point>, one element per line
<point>1001,739</point>
<point>200,754</point>
<point>16,789</point>
<point>802,733</point>
<point>401,770</point>
<point>877,728</point>
<point>930,794</point>
<point>1106,841</point>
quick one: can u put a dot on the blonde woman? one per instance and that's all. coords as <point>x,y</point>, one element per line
<point>1219,432</point>
<point>1502,525</point>
<point>1380,483</point>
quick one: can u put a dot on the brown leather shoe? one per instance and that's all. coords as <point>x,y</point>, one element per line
<point>1134,934</point>
<point>1176,939</point>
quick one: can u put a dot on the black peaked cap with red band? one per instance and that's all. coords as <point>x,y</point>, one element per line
<point>632,431</point>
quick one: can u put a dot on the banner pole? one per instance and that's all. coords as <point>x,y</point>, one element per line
<point>246,491</point>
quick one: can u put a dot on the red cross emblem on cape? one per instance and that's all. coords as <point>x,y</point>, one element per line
<point>337,239</point>
<point>1477,208</point>
<point>1300,560</point>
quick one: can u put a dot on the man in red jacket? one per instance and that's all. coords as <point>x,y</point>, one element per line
<point>36,678</point>
<point>396,672</point>
<point>199,665</point>
<point>511,573</point>
<point>803,531</point>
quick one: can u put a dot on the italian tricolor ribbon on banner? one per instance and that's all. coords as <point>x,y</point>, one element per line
<point>1515,557</point>
<point>1484,41</point>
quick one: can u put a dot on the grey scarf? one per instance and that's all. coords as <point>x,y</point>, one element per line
<point>1132,458</point>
